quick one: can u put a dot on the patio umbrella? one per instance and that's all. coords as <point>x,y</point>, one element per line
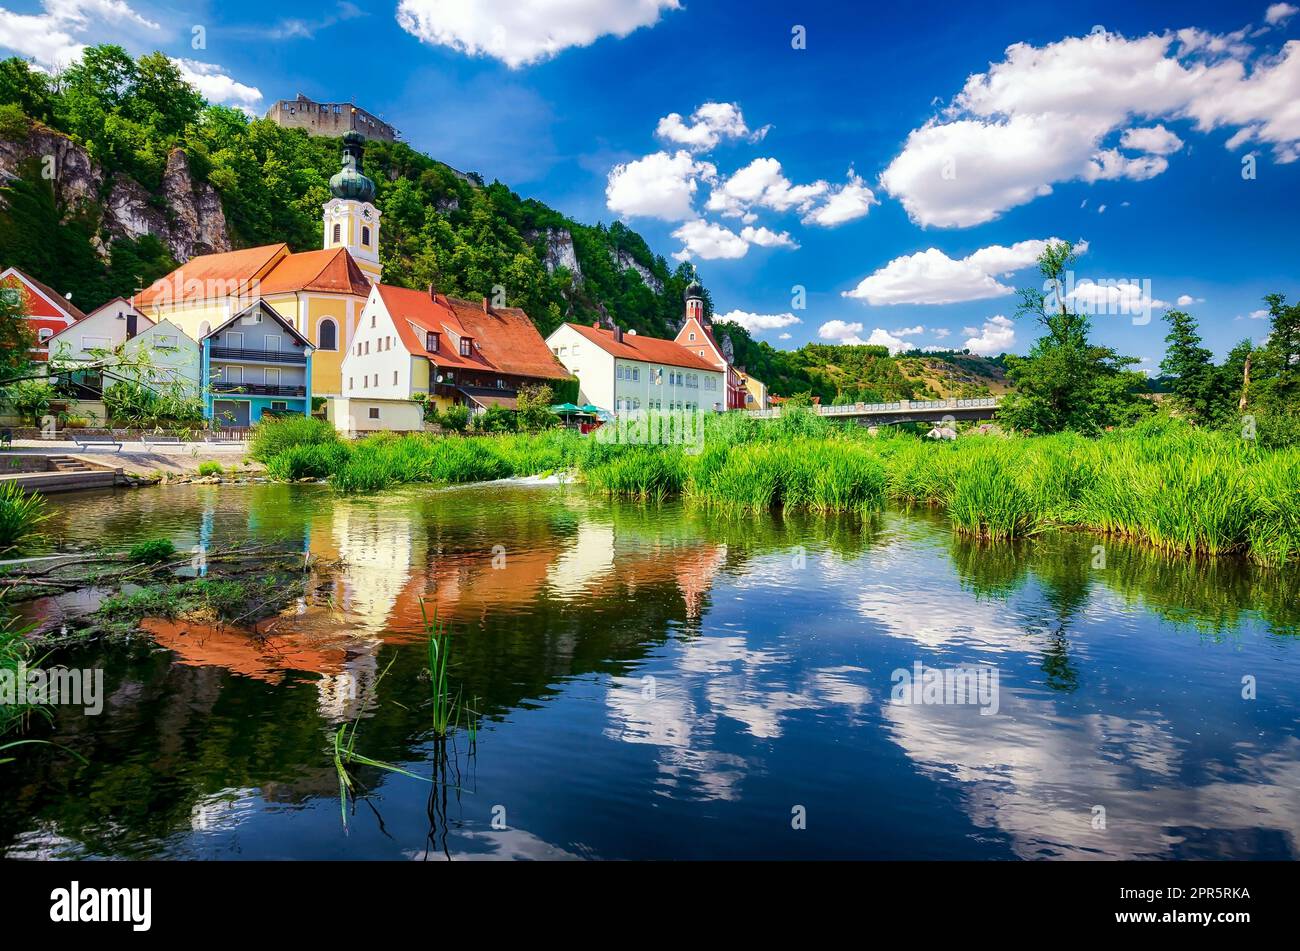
<point>562,408</point>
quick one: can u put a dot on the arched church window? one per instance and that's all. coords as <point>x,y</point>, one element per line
<point>338,233</point>
<point>327,335</point>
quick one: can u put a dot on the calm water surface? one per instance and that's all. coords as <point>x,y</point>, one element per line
<point>659,683</point>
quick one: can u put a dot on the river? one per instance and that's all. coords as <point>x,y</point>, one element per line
<point>656,682</point>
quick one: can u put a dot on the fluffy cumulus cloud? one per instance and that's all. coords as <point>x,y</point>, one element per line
<point>659,186</point>
<point>1186,300</point>
<point>766,238</point>
<point>840,331</point>
<point>1082,108</point>
<point>850,333</point>
<point>997,335</point>
<point>54,37</point>
<point>1109,298</point>
<point>707,126</point>
<point>216,86</point>
<point>758,323</point>
<point>762,185</point>
<point>708,241</point>
<point>932,277</point>
<point>1279,13</point>
<point>843,203</point>
<point>519,34</point>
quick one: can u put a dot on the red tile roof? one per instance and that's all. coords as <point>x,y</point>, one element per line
<point>268,269</point>
<point>506,340</point>
<point>644,349</point>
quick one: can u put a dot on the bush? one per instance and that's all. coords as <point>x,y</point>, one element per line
<point>210,468</point>
<point>272,436</point>
<point>455,419</point>
<point>151,552</point>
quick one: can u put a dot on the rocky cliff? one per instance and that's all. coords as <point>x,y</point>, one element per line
<point>186,215</point>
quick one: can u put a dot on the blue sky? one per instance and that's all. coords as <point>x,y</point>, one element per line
<point>907,154</point>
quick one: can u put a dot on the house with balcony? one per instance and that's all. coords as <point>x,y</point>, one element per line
<point>255,364</point>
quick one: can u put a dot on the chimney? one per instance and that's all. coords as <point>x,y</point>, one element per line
<point>433,295</point>
<point>485,306</point>
<point>618,334</point>
<point>595,325</point>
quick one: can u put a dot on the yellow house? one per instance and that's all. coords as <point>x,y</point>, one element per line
<point>320,292</point>
<point>755,392</point>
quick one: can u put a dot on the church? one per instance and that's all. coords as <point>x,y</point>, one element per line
<point>319,293</point>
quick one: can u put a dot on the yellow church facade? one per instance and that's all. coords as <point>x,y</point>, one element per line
<point>321,293</point>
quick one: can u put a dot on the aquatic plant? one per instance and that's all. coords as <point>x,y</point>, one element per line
<point>210,468</point>
<point>150,552</point>
<point>984,500</point>
<point>21,514</point>
<point>445,707</point>
<point>308,461</point>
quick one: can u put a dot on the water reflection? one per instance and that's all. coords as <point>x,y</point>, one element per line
<point>657,682</point>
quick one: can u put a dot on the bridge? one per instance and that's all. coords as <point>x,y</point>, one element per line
<point>900,411</point>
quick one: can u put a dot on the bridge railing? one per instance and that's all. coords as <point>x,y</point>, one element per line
<point>898,406</point>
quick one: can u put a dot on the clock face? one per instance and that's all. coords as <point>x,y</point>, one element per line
<point>366,214</point>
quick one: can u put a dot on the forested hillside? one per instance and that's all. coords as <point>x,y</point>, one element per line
<point>115,125</point>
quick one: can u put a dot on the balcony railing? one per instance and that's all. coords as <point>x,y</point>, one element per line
<point>262,356</point>
<point>258,389</point>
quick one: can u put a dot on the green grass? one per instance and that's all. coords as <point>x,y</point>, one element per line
<point>273,435</point>
<point>151,552</point>
<point>210,468</point>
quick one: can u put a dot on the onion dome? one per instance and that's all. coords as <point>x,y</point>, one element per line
<point>350,182</point>
<point>694,290</point>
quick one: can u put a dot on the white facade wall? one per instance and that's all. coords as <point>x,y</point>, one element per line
<point>377,365</point>
<point>358,416</point>
<point>100,330</point>
<point>593,367</point>
<point>621,386</point>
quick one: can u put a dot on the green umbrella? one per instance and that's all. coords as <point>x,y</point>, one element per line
<point>595,410</point>
<point>563,408</point>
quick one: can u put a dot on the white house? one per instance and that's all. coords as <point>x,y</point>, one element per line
<point>444,350</point>
<point>105,328</point>
<point>627,373</point>
<point>173,357</point>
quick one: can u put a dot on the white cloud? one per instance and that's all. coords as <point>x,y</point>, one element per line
<point>216,86</point>
<point>846,202</point>
<point>761,184</point>
<point>1259,315</point>
<point>52,38</point>
<point>883,338</point>
<point>757,323</point>
<point>1113,297</point>
<point>1279,13</point>
<point>707,126</point>
<point>657,186</point>
<point>766,238</point>
<point>1154,140</point>
<point>942,333</point>
<point>1185,300</point>
<point>996,336</point>
<point>840,331</point>
<point>931,277</point>
<point>1043,116</point>
<point>709,242</point>
<point>519,34</point>
<point>784,337</point>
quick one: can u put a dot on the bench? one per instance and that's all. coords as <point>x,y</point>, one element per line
<point>160,441</point>
<point>89,442</point>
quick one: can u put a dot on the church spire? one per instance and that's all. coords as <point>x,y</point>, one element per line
<point>351,219</point>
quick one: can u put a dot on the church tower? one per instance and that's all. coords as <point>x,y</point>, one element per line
<point>695,303</point>
<point>351,219</point>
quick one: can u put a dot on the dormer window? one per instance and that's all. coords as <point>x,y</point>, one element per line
<point>431,340</point>
<point>466,346</point>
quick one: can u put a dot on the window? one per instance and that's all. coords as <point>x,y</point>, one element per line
<point>394,378</point>
<point>165,340</point>
<point>692,337</point>
<point>351,384</point>
<point>376,379</point>
<point>327,335</point>
<point>374,412</point>
<point>279,405</point>
<point>365,382</point>
<point>367,345</point>
<point>45,334</point>
<point>373,318</point>
<point>234,339</point>
<point>271,344</point>
<point>636,373</point>
<point>365,236</point>
<point>96,343</point>
<point>465,344</point>
<point>338,233</point>
<point>575,349</point>
<point>431,341</point>
<point>618,373</point>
